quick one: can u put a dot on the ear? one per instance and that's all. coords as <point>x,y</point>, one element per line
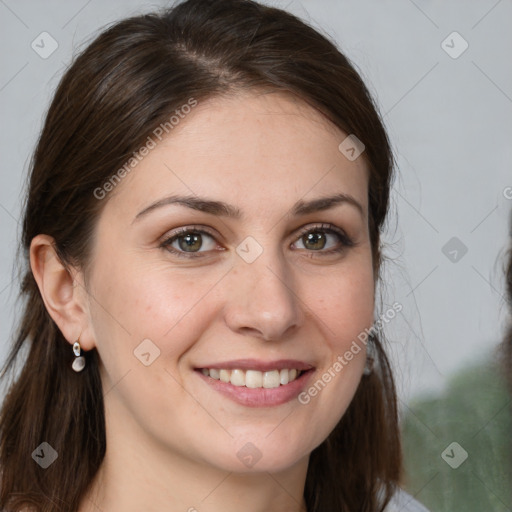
<point>62,290</point>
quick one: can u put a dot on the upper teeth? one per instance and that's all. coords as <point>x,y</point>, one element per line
<point>253,378</point>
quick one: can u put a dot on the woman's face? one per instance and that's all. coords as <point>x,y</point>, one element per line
<point>183,298</point>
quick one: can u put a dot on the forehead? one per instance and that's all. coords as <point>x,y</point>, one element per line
<point>259,151</point>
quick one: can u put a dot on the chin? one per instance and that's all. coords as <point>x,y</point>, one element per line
<point>260,455</point>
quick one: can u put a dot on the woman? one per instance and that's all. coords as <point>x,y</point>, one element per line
<point>201,235</point>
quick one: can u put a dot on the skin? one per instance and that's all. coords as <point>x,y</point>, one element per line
<point>172,441</point>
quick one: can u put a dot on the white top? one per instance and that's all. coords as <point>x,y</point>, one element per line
<point>403,502</point>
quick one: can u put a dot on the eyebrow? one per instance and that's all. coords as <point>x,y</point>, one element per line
<point>222,209</point>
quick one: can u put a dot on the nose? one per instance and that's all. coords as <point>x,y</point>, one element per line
<point>262,299</point>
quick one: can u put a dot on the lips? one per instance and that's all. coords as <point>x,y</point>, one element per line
<point>256,364</point>
<point>257,383</point>
<point>253,378</point>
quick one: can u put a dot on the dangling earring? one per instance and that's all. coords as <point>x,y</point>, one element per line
<point>79,361</point>
<point>370,360</point>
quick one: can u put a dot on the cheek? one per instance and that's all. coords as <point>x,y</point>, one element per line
<point>342,307</point>
<point>344,304</point>
<point>164,306</point>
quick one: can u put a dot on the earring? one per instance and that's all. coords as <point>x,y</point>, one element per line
<point>370,360</point>
<point>79,361</point>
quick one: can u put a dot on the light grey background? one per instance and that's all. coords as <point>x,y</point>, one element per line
<point>450,121</point>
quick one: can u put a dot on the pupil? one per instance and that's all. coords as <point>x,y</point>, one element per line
<point>315,238</point>
<point>190,240</point>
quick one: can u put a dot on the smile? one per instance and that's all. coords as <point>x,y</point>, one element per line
<point>254,378</point>
<point>256,383</point>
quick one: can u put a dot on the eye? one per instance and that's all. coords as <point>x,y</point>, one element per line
<point>187,242</point>
<point>324,236</point>
<point>324,239</point>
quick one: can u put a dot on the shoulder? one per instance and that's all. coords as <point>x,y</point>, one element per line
<point>403,502</point>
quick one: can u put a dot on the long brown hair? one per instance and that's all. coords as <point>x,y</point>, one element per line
<point>128,81</point>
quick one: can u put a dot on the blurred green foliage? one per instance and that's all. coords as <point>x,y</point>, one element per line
<point>476,412</point>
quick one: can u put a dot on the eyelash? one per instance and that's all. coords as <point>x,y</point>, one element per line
<point>345,241</point>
